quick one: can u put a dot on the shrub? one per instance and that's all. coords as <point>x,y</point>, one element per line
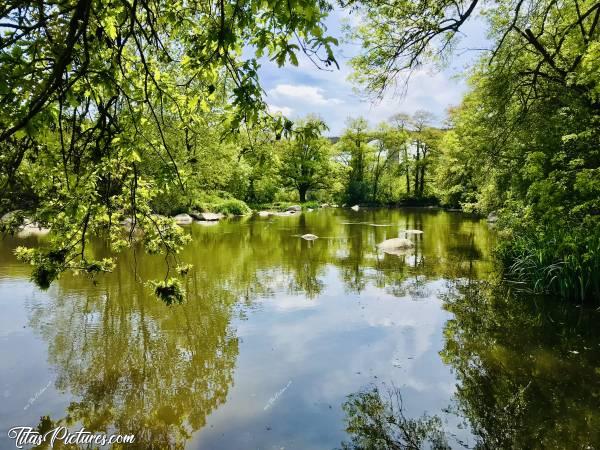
<point>233,207</point>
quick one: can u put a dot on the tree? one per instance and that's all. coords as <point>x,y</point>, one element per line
<point>401,122</point>
<point>305,158</point>
<point>354,145</point>
<point>104,103</point>
<point>388,143</point>
<point>529,125</point>
<point>418,148</point>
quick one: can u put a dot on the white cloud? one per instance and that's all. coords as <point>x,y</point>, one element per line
<point>302,90</point>
<point>307,94</point>
<point>285,110</point>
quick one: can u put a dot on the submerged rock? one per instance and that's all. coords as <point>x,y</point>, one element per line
<point>183,219</point>
<point>309,237</point>
<point>355,207</point>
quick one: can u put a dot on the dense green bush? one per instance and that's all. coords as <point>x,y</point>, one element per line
<point>232,207</point>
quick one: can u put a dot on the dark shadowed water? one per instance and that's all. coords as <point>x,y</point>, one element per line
<point>288,344</point>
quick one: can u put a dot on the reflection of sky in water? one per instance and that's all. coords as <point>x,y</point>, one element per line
<point>24,371</point>
<point>328,347</point>
<point>369,319</point>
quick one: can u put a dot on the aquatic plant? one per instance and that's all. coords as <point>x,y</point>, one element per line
<point>558,261</point>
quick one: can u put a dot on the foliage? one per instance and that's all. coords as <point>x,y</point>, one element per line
<point>232,207</point>
<point>305,161</point>
<point>169,291</point>
<point>114,109</point>
<point>392,163</point>
<point>555,260</point>
<point>526,139</point>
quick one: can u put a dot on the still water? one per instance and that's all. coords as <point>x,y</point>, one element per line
<point>288,344</point>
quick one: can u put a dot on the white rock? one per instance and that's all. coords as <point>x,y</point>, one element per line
<point>10,216</point>
<point>355,207</point>
<point>183,219</point>
<point>309,237</point>
<point>32,229</point>
<point>413,232</point>
<point>294,208</point>
<point>395,243</point>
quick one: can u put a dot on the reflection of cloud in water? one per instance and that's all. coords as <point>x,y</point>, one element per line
<point>332,346</point>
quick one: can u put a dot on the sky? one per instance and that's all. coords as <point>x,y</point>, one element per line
<point>298,91</point>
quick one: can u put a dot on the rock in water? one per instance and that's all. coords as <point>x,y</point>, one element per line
<point>355,207</point>
<point>211,217</point>
<point>294,208</point>
<point>413,232</point>
<point>32,229</point>
<point>183,219</point>
<point>309,237</point>
<point>395,243</point>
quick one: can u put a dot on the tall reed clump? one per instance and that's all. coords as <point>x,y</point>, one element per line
<point>559,261</point>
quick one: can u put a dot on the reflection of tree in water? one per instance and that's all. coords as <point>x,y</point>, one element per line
<point>527,378</point>
<point>527,375</point>
<point>137,367</point>
<point>377,421</point>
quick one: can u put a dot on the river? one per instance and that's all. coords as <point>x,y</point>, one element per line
<point>284,343</point>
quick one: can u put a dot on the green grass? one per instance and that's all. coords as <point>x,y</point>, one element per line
<point>562,262</point>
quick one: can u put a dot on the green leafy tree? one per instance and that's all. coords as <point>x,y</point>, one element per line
<point>356,151</point>
<point>105,107</point>
<point>528,127</point>
<point>306,158</point>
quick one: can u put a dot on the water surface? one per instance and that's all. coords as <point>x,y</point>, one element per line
<point>284,343</point>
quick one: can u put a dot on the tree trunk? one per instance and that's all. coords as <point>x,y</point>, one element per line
<point>407,170</point>
<point>302,193</point>
<point>417,168</point>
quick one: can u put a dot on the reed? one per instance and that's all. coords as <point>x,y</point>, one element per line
<point>562,262</point>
